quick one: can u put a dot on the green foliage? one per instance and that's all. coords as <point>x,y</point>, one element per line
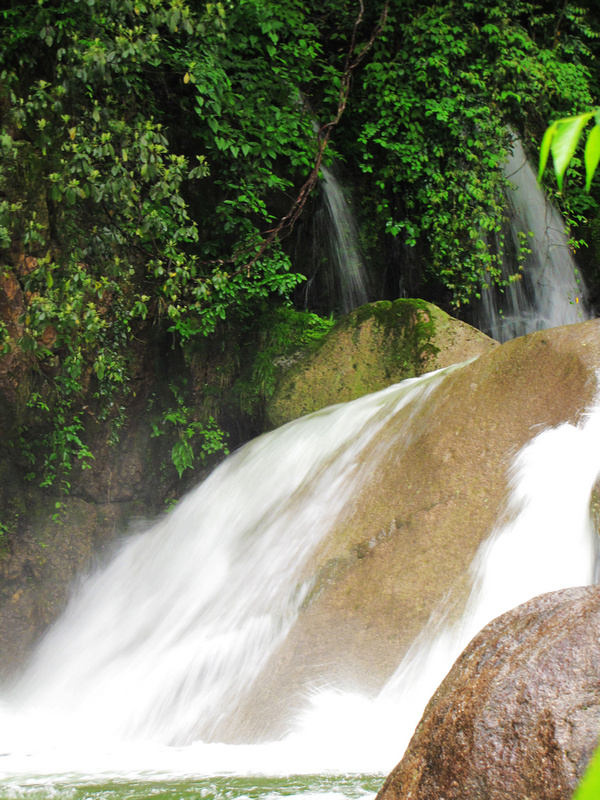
<point>106,124</point>
<point>194,438</point>
<point>589,788</point>
<point>284,333</point>
<point>167,136</point>
<point>56,443</point>
<point>4,534</point>
<point>143,149</point>
<point>561,139</point>
<point>429,124</point>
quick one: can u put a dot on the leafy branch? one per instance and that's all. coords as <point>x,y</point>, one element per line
<point>194,438</point>
<point>562,138</point>
<point>287,222</point>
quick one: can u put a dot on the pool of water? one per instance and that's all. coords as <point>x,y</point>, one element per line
<point>160,787</point>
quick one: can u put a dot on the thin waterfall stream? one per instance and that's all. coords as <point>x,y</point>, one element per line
<point>345,256</point>
<point>550,290</point>
<point>127,692</point>
<point>340,274</point>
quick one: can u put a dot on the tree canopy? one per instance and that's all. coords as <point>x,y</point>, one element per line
<point>155,155</point>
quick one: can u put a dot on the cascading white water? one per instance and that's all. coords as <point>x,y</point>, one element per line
<point>339,275</point>
<point>551,291</point>
<point>344,251</point>
<point>185,615</point>
<point>175,629</point>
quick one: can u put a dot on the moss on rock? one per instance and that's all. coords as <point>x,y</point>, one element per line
<point>374,346</point>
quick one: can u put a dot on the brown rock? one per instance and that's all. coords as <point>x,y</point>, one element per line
<point>518,715</point>
<point>374,346</point>
<point>425,503</point>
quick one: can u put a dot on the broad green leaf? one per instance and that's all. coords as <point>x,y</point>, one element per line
<point>589,788</point>
<point>545,148</point>
<point>592,155</point>
<point>564,143</point>
<point>182,456</point>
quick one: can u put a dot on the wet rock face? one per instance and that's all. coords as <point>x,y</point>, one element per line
<point>518,715</point>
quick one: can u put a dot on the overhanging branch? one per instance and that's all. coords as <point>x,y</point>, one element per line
<point>287,222</point>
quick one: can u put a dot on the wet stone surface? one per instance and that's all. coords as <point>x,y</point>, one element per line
<point>518,714</point>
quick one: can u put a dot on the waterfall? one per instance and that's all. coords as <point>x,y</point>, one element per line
<point>545,542</point>
<point>343,246</point>
<point>171,634</point>
<point>156,647</point>
<point>550,290</point>
<point>343,275</point>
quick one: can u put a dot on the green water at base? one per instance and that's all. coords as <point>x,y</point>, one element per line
<point>303,787</point>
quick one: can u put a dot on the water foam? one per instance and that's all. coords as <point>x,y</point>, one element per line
<point>77,710</point>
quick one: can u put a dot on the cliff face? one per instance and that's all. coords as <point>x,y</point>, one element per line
<point>49,534</point>
<point>49,537</point>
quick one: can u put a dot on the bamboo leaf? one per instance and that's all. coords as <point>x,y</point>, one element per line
<point>565,142</point>
<point>592,155</point>
<point>545,148</point>
<point>589,788</point>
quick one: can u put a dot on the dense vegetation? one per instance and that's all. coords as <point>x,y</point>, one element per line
<point>155,156</point>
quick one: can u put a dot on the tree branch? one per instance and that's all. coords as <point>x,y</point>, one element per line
<point>288,221</point>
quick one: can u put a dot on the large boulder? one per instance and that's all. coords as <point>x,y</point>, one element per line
<point>518,714</point>
<point>433,484</point>
<point>372,347</point>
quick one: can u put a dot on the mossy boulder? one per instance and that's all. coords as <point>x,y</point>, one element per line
<point>433,485</point>
<point>374,346</point>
